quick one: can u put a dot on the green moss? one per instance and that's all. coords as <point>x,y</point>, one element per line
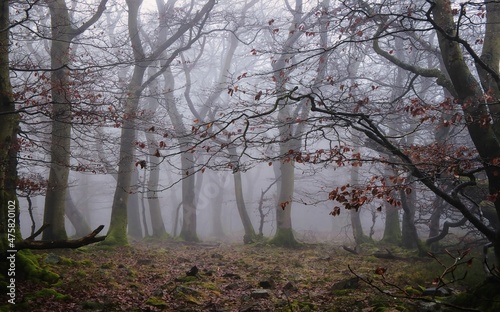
<point>67,261</point>
<point>85,263</point>
<point>47,293</point>
<point>107,265</point>
<point>188,295</point>
<point>306,306</point>
<point>157,302</point>
<point>189,237</point>
<point>341,292</point>
<point>484,297</point>
<point>80,273</point>
<point>97,306</point>
<point>29,268</point>
<point>413,291</point>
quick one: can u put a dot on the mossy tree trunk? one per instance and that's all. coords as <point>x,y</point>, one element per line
<point>470,94</point>
<point>117,233</point>
<point>26,265</point>
<point>9,120</point>
<point>392,230</point>
<point>60,144</point>
<point>62,35</point>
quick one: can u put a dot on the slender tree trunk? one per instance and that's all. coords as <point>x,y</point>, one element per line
<point>76,217</point>
<point>188,229</point>
<point>217,225</point>
<point>240,201</point>
<point>117,233</point>
<point>157,224</point>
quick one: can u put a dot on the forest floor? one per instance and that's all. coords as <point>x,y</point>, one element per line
<point>161,276</point>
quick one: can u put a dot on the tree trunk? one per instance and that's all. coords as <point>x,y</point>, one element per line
<point>409,235</point>
<point>240,201</point>
<point>9,120</point>
<point>76,218</point>
<point>217,225</point>
<point>134,228</point>
<point>392,230</point>
<point>188,229</point>
<point>284,233</point>
<point>357,228</point>
<point>117,233</point>
<point>157,225</point>
<point>60,143</point>
<point>62,35</point>
<point>471,96</point>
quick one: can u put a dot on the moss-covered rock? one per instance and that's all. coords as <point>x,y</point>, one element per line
<point>47,293</point>
<point>157,302</point>
<point>27,267</point>
<point>484,297</point>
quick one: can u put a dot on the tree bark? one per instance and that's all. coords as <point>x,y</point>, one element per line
<point>9,120</point>
<point>117,233</point>
<point>62,35</point>
<point>240,201</point>
<point>470,95</point>
<point>76,217</point>
<point>60,144</point>
<point>134,228</point>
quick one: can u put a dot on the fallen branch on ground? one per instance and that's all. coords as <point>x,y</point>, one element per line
<point>30,243</point>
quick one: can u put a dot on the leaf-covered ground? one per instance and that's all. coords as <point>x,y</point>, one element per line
<point>160,276</point>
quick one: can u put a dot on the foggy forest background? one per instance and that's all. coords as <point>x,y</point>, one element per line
<point>311,120</point>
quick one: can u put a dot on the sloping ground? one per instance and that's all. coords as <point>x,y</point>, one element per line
<point>176,276</point>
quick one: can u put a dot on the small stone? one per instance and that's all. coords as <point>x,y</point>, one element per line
<point>266,284</point>
<point>231,275</point>
<point>157,292</point>
<point>231,286</point>
<point>193,271</point>
<point>433,291</point>
<point>351,283</point>
<point>260,293</point>
<point>290,286</point>
<point>217,256</point>
<point>144,261</point>
<point>52,259</point>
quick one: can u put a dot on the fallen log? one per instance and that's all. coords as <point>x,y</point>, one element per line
<point>31,243</point>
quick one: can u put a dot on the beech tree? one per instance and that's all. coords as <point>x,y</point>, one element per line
<point>63,33</point>
<point>117,233</point>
